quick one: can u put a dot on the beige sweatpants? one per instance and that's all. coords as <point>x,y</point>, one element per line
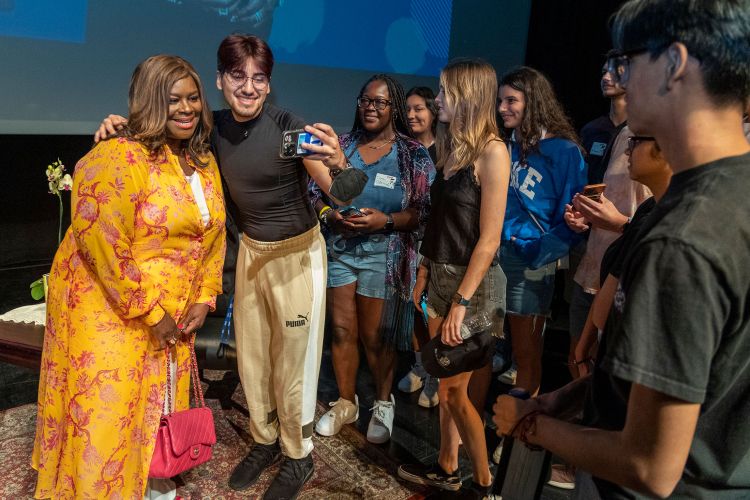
<point>279,307</point>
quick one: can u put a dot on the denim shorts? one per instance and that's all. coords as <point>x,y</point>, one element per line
<point>489,297</point>
<point>529,290</point>
<point>360,260</point>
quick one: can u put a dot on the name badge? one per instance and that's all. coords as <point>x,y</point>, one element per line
<point>598,148</point>
<point>386,181</point>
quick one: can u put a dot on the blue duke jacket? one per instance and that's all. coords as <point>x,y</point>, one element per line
<point>542,186</point>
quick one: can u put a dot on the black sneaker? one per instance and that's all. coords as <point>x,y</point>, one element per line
<point>292,476</point>
<point>248,471</point>
<point>475,492</point>
<point>431,475</point>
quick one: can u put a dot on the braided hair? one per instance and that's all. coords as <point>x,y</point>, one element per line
<point>398,104</point>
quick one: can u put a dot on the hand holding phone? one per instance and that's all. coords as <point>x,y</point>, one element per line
<point>351,211</point>
<point>593,191</point>
<point>292,140</point>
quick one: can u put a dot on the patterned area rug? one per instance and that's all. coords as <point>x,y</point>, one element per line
<point>346,466</point>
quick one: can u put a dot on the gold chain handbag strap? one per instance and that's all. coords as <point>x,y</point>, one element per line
<point>194,376</point>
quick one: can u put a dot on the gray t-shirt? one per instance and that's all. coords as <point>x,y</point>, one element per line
<point>267,194</point>
<point>681,325</point>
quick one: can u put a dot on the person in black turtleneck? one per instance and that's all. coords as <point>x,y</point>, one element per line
<point>279,296</point>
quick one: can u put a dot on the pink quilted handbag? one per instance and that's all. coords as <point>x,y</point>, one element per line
<point>184,438</point>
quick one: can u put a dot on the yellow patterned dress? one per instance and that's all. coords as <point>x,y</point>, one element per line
<point>137,249</point>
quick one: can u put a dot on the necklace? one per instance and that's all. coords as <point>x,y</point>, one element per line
<point>389,141</point>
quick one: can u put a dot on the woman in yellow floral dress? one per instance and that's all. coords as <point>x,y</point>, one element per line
<point>135,274</point>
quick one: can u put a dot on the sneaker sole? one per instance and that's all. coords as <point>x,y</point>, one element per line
<point>356,416</point>
<point>378,440</point>
<point>427,482</point>
<point>562,486</point>
<point>247,485</point>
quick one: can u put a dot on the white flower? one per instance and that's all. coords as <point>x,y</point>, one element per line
<point>57,178</point>
<point>66,183</point>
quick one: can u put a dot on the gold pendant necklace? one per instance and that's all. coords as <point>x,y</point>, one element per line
<point>389,141</point>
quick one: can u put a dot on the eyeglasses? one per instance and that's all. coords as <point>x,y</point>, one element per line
<point>633,141</point>
<point>619,65</point>
<point>380,104</point>
<point>238,79</point>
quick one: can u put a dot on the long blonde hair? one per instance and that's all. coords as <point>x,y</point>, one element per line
<point>470,85</point>
<point>148,105</point>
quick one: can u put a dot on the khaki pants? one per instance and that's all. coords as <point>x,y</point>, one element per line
<point>279,306</point>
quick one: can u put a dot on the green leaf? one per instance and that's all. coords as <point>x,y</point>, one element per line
<point>37,289</point>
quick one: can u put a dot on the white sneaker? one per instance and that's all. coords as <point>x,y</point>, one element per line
<point>562,476</point>
<point>381,423</point>
<point>508,376</point>
<point>413,380</point>
<point>342,412</point>
<point>497,363</point>
<point>498,452</point>
<point>429,395</point>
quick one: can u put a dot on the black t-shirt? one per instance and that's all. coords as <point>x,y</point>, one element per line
<point>596,137</point>
<point>614,256</point>
<point>680,325</point>
<point>268,194</point>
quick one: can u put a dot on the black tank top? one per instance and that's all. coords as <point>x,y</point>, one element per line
<point>452,229</point>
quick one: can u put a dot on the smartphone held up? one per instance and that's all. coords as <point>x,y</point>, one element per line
<point>593,191</point>
<point>292,141</point>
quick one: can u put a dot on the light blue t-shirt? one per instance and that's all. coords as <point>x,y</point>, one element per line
<point>383,192</point>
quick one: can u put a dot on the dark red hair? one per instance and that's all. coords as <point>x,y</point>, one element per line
<point>235,49</point>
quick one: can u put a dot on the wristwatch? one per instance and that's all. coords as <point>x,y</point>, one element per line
<point>388,223</point>
<point>460,300</point>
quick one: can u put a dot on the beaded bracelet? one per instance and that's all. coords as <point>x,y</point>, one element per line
<point>582,361</point>
<point>526,427</point>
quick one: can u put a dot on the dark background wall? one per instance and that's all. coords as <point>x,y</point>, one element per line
<point>566,40</point>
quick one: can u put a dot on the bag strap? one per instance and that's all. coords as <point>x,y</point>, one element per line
<point>520,201</point>
<point>194,376</point>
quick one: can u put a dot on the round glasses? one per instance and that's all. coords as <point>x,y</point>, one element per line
<point>238,79</point>
<point>619,64</point>
<point>379,103</point>
<point>634,140</point>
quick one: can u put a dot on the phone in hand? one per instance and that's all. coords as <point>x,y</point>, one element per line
<point>351,211</point>
<point>292,141</point>
<point>593,191</point>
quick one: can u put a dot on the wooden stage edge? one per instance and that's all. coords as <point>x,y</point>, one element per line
<point>21,344</point>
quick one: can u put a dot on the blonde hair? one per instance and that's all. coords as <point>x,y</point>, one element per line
<point>470,86</point>
<point>148,105</point>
